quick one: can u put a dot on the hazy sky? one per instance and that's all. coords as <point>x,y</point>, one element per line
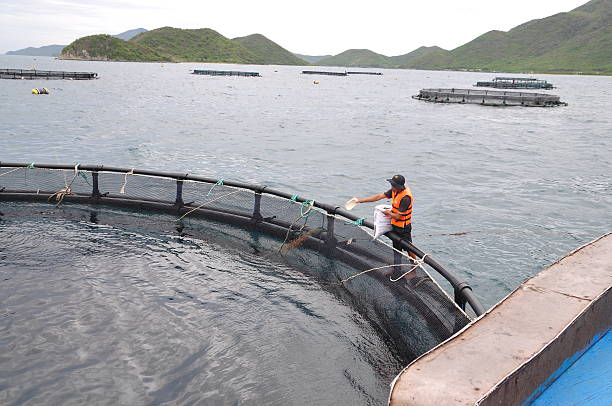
<point>313,27</point>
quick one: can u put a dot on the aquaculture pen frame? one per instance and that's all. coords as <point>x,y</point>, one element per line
<point>462,291</point>
<point>32,74</point>
<point>489,97</point>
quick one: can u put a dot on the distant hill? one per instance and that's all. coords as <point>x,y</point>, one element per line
<point>312,58</point>
<point>579,41</point>
<point>196,45</point>
<point>127,35</point>
<point>368,59</point>
<point>182,45</point>
<point>47,50</point>
<point>268,51</point>
<point>56,50</point>
<point>104,47</point>
<point>402,61</point>
<point>357,58</point>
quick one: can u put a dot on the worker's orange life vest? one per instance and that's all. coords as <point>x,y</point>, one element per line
<point>406,216</point>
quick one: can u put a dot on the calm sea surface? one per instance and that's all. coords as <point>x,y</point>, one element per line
<point>499,193</point>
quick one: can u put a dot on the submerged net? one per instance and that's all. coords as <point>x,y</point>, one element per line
<point>341,253</point>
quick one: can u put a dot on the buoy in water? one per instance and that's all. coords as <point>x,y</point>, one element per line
<point>43,90</point>
<point>316,82</point>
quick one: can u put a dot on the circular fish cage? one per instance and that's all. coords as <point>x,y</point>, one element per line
<point>489,97</point>
<point>416,313</point>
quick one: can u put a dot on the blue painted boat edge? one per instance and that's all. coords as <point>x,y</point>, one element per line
<point>564,367</point>
<point>576,337</point>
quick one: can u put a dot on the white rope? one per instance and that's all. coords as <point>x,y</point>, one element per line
<point>122,189</point>
<point>374,269</point>
<point>12,170</point>
<point>417,263</point>
<point>210,201</point>
<point>422,268</point>
<point>59,195</point>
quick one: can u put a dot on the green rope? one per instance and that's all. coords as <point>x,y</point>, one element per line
<point>359,221</point>
<point>31,166</point>
<point>84,176</point>
<point>294,197</point>
<point>305,208</point>
<point>219,183</point>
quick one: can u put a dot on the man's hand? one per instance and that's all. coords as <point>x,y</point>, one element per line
<point>357,200</point>
<point>395,216</point>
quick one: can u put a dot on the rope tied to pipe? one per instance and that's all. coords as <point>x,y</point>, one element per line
<point>59,195</point>
<point>359,221</point>
<point>125,179</point>
<point>417,263</point>
<point>218,183</point>
<point>306,207</point>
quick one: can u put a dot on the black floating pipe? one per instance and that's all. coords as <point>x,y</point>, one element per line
<point>462,290</point>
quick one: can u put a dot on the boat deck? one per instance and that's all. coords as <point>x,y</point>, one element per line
<point>525,343</point>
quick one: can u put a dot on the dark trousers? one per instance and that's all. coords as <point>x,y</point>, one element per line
<point>406,234</point>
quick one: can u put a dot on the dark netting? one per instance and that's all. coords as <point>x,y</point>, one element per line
<point>412,310</point>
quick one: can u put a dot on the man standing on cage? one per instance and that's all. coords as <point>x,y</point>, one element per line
<point>400,213</point>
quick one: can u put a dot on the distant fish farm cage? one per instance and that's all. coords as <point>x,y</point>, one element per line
<point>45,74</point>
<point>224,73</point>
<point>516,83</point>
<point>364,73</point>
<point>489,97</point>
<point>317,72</point>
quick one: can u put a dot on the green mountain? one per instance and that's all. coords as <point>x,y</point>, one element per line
<point>579,41</point>
<point>401,61</point>
<point>314,59</point>
<point>268,51</point>
<point>198,45</point>
<point>357,58</point>
<point>104,47</point>
<point>182,45</point>
<point>365,58</point>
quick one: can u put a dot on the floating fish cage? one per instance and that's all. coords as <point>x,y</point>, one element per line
<point>516,83</point>
<point>328,73</point>
<point>364,73</point>
<point>321,240</point>
<point>224,73</point>
<point>489,97</point>
<point>45,74</point>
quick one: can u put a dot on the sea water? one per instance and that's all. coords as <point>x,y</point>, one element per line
<point>499,193</point>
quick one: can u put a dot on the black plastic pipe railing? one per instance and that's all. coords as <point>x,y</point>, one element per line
<point>463,292</point>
